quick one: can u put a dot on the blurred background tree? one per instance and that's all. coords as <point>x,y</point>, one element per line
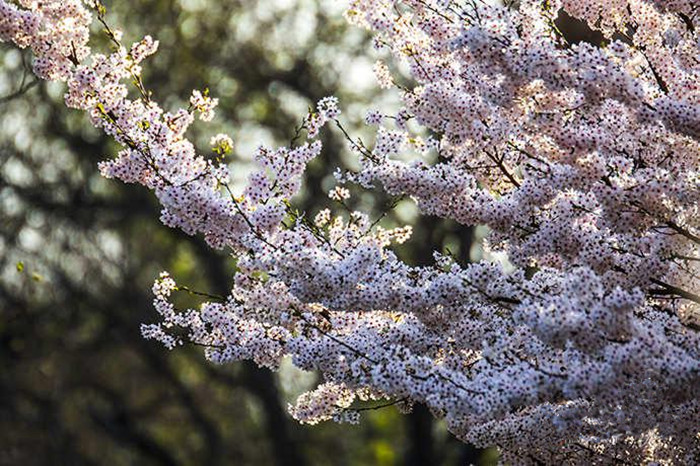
<point>78,254</point>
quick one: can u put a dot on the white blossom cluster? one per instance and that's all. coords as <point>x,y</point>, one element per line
<point>582,161</point>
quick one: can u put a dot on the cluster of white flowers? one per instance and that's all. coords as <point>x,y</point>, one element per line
<point>327,110</point>
<point>383,75</point>
<point>221,143</point>
<point>374,118</point>
<point>582,161</point>
<point>204,104</point>
<point>339,193</point>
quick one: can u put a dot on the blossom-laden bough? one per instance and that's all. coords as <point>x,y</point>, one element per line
<point>581,159</point>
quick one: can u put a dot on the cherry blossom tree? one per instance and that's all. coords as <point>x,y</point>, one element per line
<point>581,159</point>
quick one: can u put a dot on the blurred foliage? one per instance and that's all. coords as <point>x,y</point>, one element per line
<point>78,254</point>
